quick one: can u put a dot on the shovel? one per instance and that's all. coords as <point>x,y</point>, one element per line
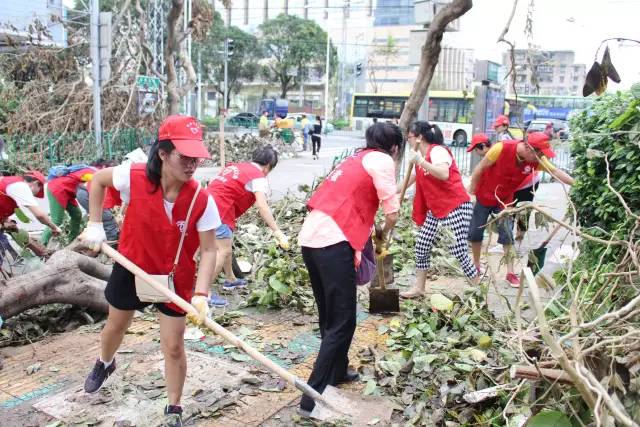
<point>537,256</point>
<point>382,300</point>
<point>331,404</point>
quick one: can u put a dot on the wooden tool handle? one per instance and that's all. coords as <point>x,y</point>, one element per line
<point>553,233</point>
<point>214,326</point>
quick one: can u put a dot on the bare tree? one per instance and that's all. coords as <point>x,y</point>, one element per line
<point>429,58</point>
<point>175,51</point>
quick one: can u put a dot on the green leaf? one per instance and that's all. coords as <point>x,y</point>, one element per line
<point>549,419</point>
<point>412,332</point>
<point>279,287</point>
<point>22,216</point>
<point>370,387</point>
<point>440,302</point>
<point>240,357</point>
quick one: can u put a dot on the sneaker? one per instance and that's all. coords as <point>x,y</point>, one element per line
<point>236,284</point>
<point>172,416</point>
<point>217,301</point>
<point>513,280</point>
<point>98,375</point>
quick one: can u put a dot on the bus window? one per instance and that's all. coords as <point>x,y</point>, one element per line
<point>361,106</point>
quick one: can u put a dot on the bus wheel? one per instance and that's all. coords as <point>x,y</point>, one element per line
<point>460,138</point>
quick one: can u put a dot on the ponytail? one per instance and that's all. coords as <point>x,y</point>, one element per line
<point>429,132</point>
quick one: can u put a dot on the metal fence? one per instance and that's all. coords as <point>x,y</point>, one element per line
<point>43,151</point>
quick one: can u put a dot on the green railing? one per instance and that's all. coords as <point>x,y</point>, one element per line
<point>43,151</point>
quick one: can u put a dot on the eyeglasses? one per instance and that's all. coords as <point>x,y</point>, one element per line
<point>481,146</point>
<point>188,161</point>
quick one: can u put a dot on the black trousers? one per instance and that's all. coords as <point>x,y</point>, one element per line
<point>316,140</point>
<point>525,195</point>
<point>333,279</point>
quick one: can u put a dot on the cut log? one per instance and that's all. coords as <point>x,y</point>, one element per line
<point>531,373</point>
<point>67,277</point>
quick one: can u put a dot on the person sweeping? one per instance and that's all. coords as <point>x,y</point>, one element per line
<point>238,187</point>
<point>440,201</point>
<point>332,237</point>
<point>167,219</point>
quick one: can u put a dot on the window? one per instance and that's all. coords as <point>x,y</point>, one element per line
<point>389,107</point>
<point>211,96</point>
<point>561,79</point>
<point>450,110</point>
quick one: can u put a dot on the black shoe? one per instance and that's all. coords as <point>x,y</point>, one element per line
<point>98,375</point>
<point>172,416</point>
<point>349,377</point>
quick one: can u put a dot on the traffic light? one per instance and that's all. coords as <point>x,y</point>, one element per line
<point>229,45</point>
<point>358,69</point>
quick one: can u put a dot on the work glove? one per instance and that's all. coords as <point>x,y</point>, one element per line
<point>416,157</point>
<point>382,255</point>
<point>93,236</point>
<point>200,303</point>
<point>283,241</point>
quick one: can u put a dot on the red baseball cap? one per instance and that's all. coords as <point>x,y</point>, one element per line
<point>478,138</point>
<point>501,120</point>
<point>186,135</point>
<point>540,141</point>
<point>40,177</point>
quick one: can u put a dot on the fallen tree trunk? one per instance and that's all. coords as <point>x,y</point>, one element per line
<point>68,277</point>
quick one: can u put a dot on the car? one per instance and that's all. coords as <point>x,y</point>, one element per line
<point>560,127</point>
<point>244,120</point>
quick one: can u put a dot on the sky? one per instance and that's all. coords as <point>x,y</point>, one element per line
<point>578,25</point>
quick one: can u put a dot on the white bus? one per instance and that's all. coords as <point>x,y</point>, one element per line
<point>452,111</point>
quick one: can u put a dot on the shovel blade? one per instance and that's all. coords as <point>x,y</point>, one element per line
<point>536,259</point>
<point>387,266</point>
<point>359,410</point>
<point>384,300</point>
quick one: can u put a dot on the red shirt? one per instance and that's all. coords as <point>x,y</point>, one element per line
<point>499,181</point>
<point>441,197</point>
<point>229,191</point>
<point>349,197</point>
<point>150,239</point>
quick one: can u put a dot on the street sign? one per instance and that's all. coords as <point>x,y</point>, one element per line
<point>149,91</point>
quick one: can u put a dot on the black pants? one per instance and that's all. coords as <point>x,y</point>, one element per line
<point>333,279</point>
<point>315,143</point>
<point>525,195</point>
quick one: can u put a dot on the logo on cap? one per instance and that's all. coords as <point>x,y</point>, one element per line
<point>193,127</point>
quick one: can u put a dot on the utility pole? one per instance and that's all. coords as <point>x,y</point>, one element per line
<point>199,89</point>
<point>95,72</point>
<point>326,79</point>
<point>345,15</point>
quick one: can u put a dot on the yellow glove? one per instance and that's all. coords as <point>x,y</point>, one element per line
<point>283,240</point>
<point>380,256</point>
<point>200,303</point>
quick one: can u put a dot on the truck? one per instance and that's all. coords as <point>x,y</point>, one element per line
<point>274,107</point>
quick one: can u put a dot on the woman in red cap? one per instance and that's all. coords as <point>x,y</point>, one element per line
<point>481,143</point>
<point>235,189</point>
<point>440,201</point>
<point>501,126</point>
<point>21,191</point>
<point>167,219</point>
<point>494,182</point>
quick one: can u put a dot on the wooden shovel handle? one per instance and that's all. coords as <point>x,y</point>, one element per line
<point>553,233</point>
<point>214,326</point>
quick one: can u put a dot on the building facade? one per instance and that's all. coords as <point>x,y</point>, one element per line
<point>16,16</point>
<point>551,72</point>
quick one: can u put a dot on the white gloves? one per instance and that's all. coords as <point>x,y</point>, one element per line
<point>283,240</point>
<point>200,303</point>
<point>55,230</point>
<point>93,236</point>
<point>416,157</point>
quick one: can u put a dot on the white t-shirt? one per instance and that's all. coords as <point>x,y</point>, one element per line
<point>440,155</point>
<point>21,194</point>
<point>259,184</point>
<point>209,220</point>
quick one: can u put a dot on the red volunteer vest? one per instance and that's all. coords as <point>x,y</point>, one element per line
<point>7,204</point>
<point>151,241</point>
<point>500,181</point>
<point>64,188</point>
<point>229,192</point>
<point>349,197</point>
<point>441,197</point>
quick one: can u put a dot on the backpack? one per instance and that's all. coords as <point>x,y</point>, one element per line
<point>64,170</point>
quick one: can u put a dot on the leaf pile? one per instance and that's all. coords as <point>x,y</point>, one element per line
<point>438,358</point>
<point>238,148</point>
